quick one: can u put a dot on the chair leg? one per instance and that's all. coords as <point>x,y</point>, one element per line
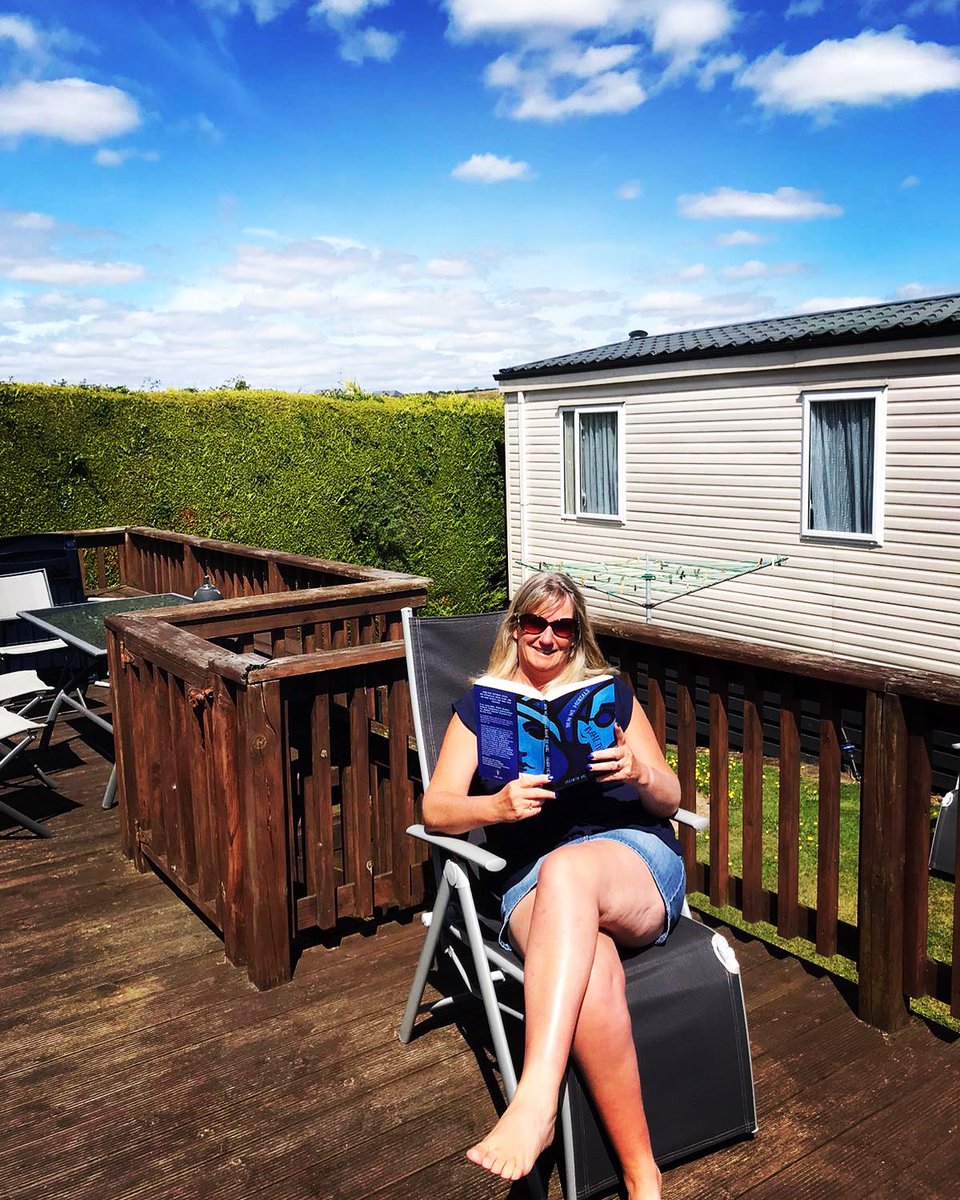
<point>21,818</point>
<point>41,775</point>
<point>566,1134</point>
<point>425,962</point>
<point>25,821</point>
<point>110,795</point>
<point>487,993</point>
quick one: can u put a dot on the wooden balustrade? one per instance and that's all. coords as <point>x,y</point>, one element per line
<point>157,560</point>
<point>273,791</point>
<point>263,747</point>
<point>781,703</point>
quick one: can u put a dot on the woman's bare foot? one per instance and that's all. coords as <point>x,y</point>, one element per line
<point>645,1185</point>
<point>514,1144</point>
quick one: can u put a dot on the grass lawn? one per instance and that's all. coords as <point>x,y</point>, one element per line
<point>940,924</point>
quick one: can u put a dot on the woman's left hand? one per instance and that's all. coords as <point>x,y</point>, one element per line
<point>620,764</point>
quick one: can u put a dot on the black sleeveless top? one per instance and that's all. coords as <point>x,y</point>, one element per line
<point>590,807</point>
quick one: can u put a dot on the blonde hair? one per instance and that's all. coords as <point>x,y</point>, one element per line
<point>546,589</point>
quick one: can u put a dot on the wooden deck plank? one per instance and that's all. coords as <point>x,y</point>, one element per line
<point>137,1062</point>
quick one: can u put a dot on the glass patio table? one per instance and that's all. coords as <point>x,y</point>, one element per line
<point>83,628</point>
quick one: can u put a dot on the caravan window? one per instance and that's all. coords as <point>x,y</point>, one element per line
<point>592,462</point>
<point>843,440</point>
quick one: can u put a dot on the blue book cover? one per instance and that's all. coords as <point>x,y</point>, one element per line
<point>524,732</point>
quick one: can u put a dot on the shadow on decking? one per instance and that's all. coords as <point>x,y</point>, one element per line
<point>136,1062</point>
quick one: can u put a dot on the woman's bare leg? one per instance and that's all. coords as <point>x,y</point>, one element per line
<point>604,1051</point>
<point>581,889</point>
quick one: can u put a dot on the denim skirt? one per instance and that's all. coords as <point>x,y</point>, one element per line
<point>665,866</point>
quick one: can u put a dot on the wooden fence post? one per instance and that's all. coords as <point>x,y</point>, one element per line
<point>882,831</point>
<point>267,897</point>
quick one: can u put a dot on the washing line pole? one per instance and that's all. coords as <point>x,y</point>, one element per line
<point>648,578</point>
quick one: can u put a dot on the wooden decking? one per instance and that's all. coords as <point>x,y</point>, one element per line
<point>136,1062</point>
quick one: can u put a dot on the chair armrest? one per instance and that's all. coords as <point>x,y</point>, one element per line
<point>684,817</point>
<point>455,845</point>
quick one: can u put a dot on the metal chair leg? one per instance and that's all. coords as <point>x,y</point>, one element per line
<point>110,794</point>
<point>424,963</point>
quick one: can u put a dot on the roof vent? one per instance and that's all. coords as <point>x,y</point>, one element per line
<point>638,333</point>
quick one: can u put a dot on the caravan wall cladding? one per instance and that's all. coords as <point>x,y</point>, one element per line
<point>712,457</point>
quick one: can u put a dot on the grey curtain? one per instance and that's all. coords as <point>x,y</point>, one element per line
<point>598,463</point>
<point>841,465</point>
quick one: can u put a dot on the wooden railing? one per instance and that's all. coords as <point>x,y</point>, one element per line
<point>272,787</point>
<point>776,699</point>
<point>264,757</point>
<point>156,560</point>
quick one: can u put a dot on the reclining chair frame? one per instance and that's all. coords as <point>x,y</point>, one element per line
<point>454,858</point>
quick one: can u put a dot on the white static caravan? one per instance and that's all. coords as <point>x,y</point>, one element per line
<point>830,439</point>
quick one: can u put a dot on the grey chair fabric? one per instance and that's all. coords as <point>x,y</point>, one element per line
<point>446,652</point>
<point>685,997</point>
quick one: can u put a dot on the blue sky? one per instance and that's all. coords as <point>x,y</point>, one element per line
<point>414,193</point>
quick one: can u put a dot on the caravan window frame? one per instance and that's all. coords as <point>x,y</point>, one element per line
<point>874,536</point>
<point>572,486</point>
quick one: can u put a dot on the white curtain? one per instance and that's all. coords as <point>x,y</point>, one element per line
<point>598,463</point>
<point>841,465</point>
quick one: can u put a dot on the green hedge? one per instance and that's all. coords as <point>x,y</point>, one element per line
<point>411,484</point>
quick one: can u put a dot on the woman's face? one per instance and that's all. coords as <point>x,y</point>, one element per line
<point>542,656</point>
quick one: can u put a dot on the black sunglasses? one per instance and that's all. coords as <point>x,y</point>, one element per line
<point>532,623</point>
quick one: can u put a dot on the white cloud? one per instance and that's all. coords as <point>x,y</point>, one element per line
<point>449,268</point>
<point>713,68</point>
<point>345,9</point>
<point>592,60</point>
<point>631,190</point>
<point>803,8</point>
<point>207,128</point>
<point>62,272</point>
<point>872,68</point>
<point>110,158</point>
<point>549,86</point>
<point>694,271</point>
<point>20,31</point>
<point>32,220</point>
<point>829,303</point>
<point>490,168</point>
<point>785,204</point>
<point>303,261</point>
<point>116,158</point>
<point>755,269</point>
<point>740,237</point>
<point>369,43</point>
<point>911,181</point>
<point>669,311</point>
<point>682,28</point>
<point>614,92</point>
<point>264,11</point>
<point>558,43</point>
<point>73,110</point>
<point>356,44</point>
<point>478,18</point>
<point>611,93</point>
<point>912,291</point>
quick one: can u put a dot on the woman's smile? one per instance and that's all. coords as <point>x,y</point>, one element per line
<point>540,656</point>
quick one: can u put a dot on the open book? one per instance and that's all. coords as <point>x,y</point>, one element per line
<point>523,731</point>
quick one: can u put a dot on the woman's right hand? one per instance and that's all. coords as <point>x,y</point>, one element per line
<point>523,797</point>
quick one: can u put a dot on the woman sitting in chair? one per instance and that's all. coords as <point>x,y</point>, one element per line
<point>590,869</point>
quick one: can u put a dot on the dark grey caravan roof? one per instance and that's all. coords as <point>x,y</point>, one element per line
<point>872,323</point>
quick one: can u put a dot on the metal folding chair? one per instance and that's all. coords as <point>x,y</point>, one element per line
<point>20,591</point>
<point>19,692</point>
<point>685,997</point>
